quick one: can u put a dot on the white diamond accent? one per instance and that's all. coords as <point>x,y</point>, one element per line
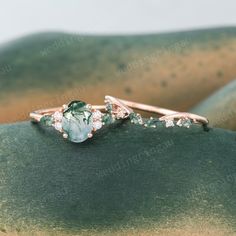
<point>58,126</point>
<point>170,123</point>
<point>97,125</point>
<point>97,115</point>
<point>58,116</point>
<point>179,123</point>
<point>120,114</point>
<point>184,122</point>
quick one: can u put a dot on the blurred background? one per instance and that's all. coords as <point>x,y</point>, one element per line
<point>176,54</point>
<point>18,18</point>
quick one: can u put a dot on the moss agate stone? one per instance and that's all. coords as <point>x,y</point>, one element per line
<point>77,121</point>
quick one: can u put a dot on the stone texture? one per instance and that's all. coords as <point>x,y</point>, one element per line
<point>77,121</point>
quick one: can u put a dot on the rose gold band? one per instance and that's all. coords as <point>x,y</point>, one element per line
<point>148,108</point>
<point>165,113</point>
<point>37,115</point>
<point>128,105</point>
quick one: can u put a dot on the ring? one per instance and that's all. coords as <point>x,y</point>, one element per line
<point>78,120</point>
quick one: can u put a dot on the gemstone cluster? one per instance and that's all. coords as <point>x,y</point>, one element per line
<point>76,122</point>
<point>152,122</point>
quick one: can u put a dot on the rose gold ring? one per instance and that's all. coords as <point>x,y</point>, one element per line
<point>77,121</point>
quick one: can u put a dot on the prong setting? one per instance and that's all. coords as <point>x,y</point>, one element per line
<point>64,106</point>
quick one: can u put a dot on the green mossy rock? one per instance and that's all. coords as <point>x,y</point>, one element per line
<point>125,178</point>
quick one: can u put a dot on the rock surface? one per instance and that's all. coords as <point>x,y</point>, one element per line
<point>125,179</point>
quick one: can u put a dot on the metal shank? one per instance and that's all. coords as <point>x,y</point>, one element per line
<point>127,105</point>
<point>37,115</point>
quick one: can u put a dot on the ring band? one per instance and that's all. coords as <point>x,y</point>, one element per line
<point>77,121</point>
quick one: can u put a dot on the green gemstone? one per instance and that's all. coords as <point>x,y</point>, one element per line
<point>77,121</point>
<point>151,123</point>
<point>46,120</point>
<point>136,119</point>
<point>109,107</point>
<point>108,119</point>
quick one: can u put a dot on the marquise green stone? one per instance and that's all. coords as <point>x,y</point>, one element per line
<point>108,119</point>
<point>46,120</point>
<point>136,119</point>
<point>77,121</point>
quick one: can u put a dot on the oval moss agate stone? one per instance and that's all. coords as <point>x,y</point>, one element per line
<point>77,121</point>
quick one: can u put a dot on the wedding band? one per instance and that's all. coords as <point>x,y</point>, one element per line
<point>78,121</point>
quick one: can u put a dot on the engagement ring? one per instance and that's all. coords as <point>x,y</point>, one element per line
<point>78,121</point>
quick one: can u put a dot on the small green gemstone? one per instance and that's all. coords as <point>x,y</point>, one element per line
<point>75,105</point>
<point>151,123</point>
<point>46,120</point>
<point>136,119</point>
<point>109,107</point>
<point>108,119</point>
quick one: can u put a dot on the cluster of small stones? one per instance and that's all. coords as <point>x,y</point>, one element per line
<point>78,120</point>
<point>57,120</point>
<point>184,122</point>
<point>136,119</point>
<point>97,120</point>
<point>153,122</point>
<point>114,113</point>
<point>109,117</point>
<point>54,120</point>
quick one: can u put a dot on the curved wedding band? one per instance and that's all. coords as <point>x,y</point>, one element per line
<point>78,120</point>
